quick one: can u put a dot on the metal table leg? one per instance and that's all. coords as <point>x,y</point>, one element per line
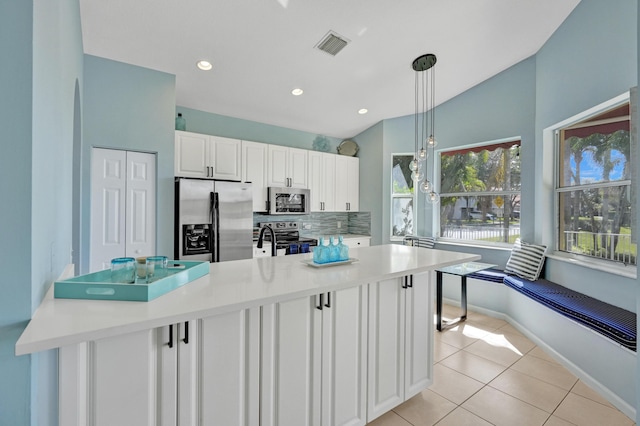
<point>438,300</point>
<point>463,303</point>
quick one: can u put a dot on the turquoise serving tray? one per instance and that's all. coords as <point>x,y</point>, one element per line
<point>98,285</point>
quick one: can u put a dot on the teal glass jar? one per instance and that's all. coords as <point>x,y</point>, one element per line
<point>181,123</point>
<point>123,270</point>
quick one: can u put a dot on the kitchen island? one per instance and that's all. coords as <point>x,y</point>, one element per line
<point>269,341</point>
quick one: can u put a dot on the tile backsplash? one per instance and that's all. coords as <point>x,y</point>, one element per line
<point>319,224</point>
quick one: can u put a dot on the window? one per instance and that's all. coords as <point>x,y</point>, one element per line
<point>480,192</point>
<point>402,197</point>
<point>594,187</point>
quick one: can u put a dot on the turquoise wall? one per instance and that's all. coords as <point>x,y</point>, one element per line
<point>220,125</point>
<point>41,45</point>
<point>591,58</point>
<point>130,108</point>
<point>16,41</point>
<point>501,107</point>
<point>372,178</point>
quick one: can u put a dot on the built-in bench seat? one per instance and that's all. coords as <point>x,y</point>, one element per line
<point>596,341</point>
<point>611,321</point>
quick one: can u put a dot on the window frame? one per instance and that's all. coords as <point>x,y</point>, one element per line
<point>437,217</point>
<point>558,189</point>
<point>393,196</point>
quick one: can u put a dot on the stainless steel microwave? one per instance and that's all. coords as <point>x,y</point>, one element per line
<point>289,200</point>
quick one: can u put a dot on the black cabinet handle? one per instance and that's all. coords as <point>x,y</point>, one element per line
<point>411,281</point>
<point>404,282</point>
<point>319,307</point>
<point>328,304</point>
<point>171,336</point>
<point>186,333</point>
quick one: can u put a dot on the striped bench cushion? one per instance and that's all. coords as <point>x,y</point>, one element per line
<point>424,242</point>
<point>611,321</point>
<point>493,275</point>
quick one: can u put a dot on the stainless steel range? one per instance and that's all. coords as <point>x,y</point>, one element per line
<point>288,237</point>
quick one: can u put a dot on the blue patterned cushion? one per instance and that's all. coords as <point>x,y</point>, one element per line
<point>611,321</point>
<point>526,260</point>
<point>493,275</point>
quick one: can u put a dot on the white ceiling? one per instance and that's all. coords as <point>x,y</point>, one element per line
<point>262,49</point>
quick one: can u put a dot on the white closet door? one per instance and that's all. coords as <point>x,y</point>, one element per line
<point>141,205</point>
<point>108,186</point>
<point>123,206</point>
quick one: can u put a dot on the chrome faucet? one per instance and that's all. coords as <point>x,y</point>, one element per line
<point>273,239</point>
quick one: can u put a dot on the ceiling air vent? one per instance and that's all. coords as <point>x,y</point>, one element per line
<point>332,43</point>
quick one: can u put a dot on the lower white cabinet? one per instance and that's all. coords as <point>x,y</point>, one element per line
<point>314,360</point>
<point>229,369</point>
<point>199,372</point>
<point>400,353</point>
<point>338,358</point>
<point>357,242</point>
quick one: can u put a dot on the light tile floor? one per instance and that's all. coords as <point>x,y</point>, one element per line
<point>488,373</point>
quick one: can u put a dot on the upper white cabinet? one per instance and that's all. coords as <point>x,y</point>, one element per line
<point>333,179</point>
<point>322,181</point>
<point>204,156</point>
<point>347,188</point>
<point>254,170</point>
<point>287,167</point>
<point>399,349</point>
<point>314,360</point>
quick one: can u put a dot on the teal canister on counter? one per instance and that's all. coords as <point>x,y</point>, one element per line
<point>181,123</point>
<point>343,249</point>
<point>321,252</point>
<point>334,251</point>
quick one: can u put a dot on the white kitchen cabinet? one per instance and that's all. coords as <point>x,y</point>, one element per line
<point>322,181</point>
<point>254,170</point>
<point>347,188</point>
<point>314,360</point>
<point>230,363</point>
<point>353,242</point>
<point>205,156</point>
<point>111,381</point>
<point>400,354</point>
<point>203,371</point>
<point>287,167</point>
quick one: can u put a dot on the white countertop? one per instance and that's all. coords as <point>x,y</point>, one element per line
<point>229,286</point>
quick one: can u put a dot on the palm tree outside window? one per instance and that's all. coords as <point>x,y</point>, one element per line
<point>594,187</point>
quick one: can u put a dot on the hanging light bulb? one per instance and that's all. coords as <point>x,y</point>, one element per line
<point>422,154</point>
<point>433,197</point>
<point>425,186</point>
<point>424,125</point>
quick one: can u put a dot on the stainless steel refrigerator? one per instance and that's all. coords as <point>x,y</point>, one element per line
<point>214,220</point>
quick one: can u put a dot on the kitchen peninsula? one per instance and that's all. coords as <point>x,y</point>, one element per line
<point>269,341</point>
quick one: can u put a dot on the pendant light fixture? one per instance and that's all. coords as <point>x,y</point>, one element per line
<point>425,139</point>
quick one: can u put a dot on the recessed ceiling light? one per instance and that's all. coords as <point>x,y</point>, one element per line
<point>363,111</point>
<point>204,65</point>
<point>297,92</point>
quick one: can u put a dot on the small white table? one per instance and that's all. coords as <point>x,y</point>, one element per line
<point>462,270</point>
